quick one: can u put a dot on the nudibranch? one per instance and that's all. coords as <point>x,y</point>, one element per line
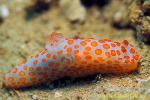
<point>75,57</point>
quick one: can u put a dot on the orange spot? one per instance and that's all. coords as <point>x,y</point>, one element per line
<point>43,60</point>
<point>70,42</point>
<point>48,55</point>
<point>132,50</point>
<point>98,51</point>
<point>101,41</point>
<point>87,40</point>
<point>83,43</point>
<point>109,62</point>
<point>136,57</point>
<point>126,42</point>
<point>35,62</point>
<point>85,52</point>
<point>15,70</point>
<point>76,51</point>
<point>132,61</point>
<point>69,49</point>
<point>101,59</point>
<point>116,61</point>
<point>88,48</point>
<point>30,68</point>
<point>54,57</point>
<point>94,43</point>
<point>77,57</point>
<point>113,53</point>
<point>108,54</point>
<point>123,49</point>
<point>25,67</point>
<point>88,57</point>
<point>117,43</point>
<point>65,46</point>
<point>11,79</point>
<point>62,59</point>
<point>59,52</point>
<point>51,63</point>
<point>106,46</point>
<point>119,58</point>
<point>3,78</point>
<point>127,61</point>
<point>23,79</point>
<point>127,57</point>
<point>21,73</point>
<point>76,46</point>
<point>113,45</point>
<point>118,52</point>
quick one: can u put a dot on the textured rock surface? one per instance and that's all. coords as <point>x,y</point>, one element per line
<point>140,17</point>
<point>73,10</point>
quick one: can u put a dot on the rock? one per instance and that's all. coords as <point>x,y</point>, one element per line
<point>4,12</point>
<point>146,4</point>
<point>34,97</point>
<point>117,13</point>
<point>121,18</point>
<point>121,15</point>
<point>145,86</point>
<point>140,18</point>
<point>73,10</point>
<point>58,94</point>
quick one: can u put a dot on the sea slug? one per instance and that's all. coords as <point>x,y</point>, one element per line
<point>76,57</point>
